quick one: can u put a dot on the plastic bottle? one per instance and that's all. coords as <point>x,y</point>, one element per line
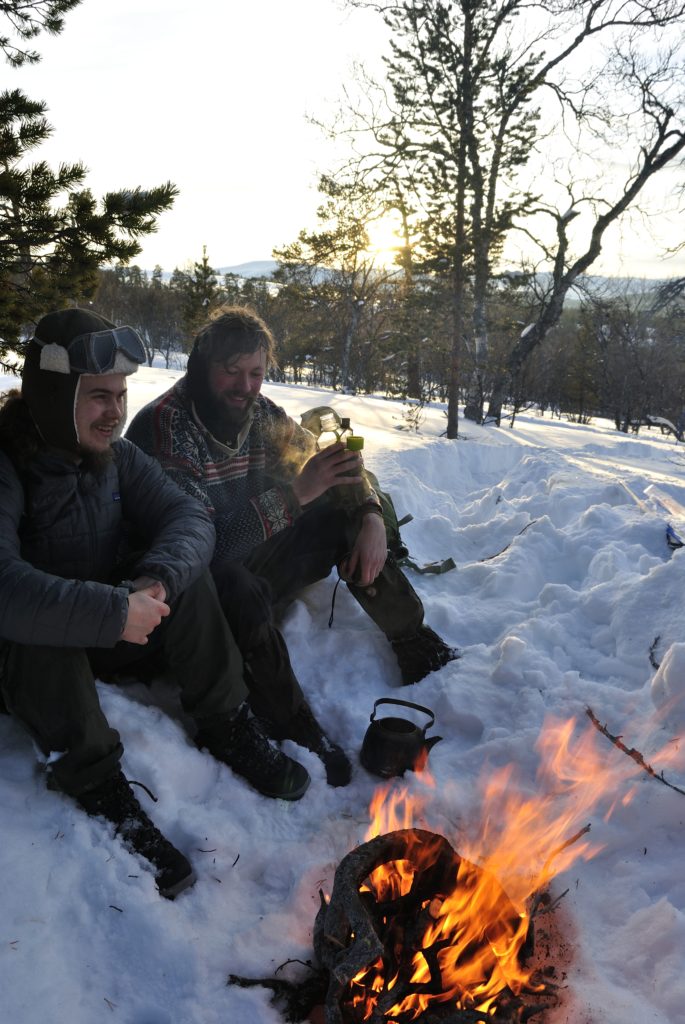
<point>347,496</point>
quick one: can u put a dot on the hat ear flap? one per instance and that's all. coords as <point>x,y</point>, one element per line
<point>55,359</point>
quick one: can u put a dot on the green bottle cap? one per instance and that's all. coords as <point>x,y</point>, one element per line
<point>355,443</point>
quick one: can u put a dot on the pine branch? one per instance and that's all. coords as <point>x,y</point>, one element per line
<point>27,19</point>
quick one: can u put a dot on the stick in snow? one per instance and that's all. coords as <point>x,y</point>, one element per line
<point>631,752</point>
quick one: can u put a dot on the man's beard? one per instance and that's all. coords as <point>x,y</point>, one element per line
<point>95,462</point>
<point>221,420</point>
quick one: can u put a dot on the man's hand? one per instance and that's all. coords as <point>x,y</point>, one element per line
<point>369,553</point>
<point>328,468</point>
<point>146,609</point>
<point>153,587</point>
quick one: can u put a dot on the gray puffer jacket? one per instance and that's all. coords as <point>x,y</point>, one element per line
<point>61,532</point>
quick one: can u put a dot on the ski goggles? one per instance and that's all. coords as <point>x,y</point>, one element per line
<point>97,352</point>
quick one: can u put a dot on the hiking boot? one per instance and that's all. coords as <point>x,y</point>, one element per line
<point>304,729</point>
<point>241,743</point>
<point>421,653</point>
<point>115,801</point>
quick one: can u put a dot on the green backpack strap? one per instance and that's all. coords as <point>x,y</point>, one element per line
<point>396,545</point>
<point>437,568</point>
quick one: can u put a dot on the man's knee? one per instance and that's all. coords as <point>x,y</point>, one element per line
<point>198,600</point>
<point>51,691</point>
<point>246,600</point>
<point>391,601</point>
<point>30,674</point>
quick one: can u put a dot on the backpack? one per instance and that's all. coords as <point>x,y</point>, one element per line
<point>311,420</point>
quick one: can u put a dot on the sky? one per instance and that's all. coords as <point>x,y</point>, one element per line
<point>565,597</point>
<point>216,97</point>
<point>212,96</point>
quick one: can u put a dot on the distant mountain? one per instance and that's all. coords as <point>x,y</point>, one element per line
<point>611,286</point>
<point>257,268</point>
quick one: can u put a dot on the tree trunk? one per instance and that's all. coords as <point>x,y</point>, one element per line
<point>455,354</point>
<point>347,344</point>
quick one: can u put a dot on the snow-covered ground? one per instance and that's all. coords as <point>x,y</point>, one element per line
<point>565,597</point>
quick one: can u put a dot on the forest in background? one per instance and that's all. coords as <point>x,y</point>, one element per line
<point>495,129</point>
<point>617,351</point>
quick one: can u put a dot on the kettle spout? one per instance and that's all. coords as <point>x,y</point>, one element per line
<point>431,741</point>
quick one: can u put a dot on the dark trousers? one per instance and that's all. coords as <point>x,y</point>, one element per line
<point>275,571</point>
<point>51,690</point>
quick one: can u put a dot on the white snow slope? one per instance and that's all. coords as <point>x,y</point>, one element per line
<point>564,585</point>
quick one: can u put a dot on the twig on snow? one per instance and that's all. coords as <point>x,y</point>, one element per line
<point>569,842</point>
<point>489,558</point>
<point>631,752</point>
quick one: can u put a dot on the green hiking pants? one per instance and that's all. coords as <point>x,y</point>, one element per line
<point>51,690</point>
<point>307,551</point>
<point>275,571</point>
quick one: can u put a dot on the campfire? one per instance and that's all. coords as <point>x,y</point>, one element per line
<point>414,931</point>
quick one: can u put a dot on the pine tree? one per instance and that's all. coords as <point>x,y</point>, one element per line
<point>200,294</point>
<point>54,235</point>
<point>128,295</point>
<point>26,19</point>
<point>336,276</point>
<point>462,115</point>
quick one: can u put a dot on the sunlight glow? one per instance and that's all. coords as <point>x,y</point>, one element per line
<point>385,238</point>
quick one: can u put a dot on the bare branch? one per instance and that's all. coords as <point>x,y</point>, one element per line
<point>631,752</point>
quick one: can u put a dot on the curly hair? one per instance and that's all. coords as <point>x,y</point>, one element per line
<point>19,437</point>
<point>232,332</point>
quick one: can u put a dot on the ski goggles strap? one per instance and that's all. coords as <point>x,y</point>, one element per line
<point>97,352</point>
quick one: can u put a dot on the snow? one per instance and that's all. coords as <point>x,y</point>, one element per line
<point>565,597</point>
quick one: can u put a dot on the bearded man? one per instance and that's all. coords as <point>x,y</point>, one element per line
<point>77,599</point>
<point>270,494</point>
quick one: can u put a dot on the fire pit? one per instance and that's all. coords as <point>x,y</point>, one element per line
<point>413,932</point>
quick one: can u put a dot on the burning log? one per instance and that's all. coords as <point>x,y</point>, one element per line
<point>414,934</point>
<point>371,940</point>
<point>348,912</point>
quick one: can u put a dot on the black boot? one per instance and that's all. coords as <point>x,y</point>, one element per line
<point>240,742</point>
<point>115,801</point>
<point>421,653</point>
<point>304,729</point>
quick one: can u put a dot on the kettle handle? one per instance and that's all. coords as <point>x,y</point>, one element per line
<point>405,704</point>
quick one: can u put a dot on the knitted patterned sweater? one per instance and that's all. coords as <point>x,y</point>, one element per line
<point>245,489</point>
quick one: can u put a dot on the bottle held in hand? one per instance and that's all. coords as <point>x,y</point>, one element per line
<point>348,496</point>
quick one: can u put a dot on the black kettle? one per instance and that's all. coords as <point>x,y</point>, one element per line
<point>393,745</point>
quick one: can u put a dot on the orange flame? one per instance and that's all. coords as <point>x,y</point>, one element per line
<point>519,842</point>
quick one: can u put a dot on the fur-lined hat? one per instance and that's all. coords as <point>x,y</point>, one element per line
<point>53,367</point>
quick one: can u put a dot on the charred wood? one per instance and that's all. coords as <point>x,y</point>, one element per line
<point>294,1000</point>
<point>346,929</point>
<point>362,933</point>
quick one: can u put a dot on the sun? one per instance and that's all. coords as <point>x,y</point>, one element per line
<point>385,239</point>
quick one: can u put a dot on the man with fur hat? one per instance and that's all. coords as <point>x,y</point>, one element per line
<point>103,561</point>
<point>278,527</point>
